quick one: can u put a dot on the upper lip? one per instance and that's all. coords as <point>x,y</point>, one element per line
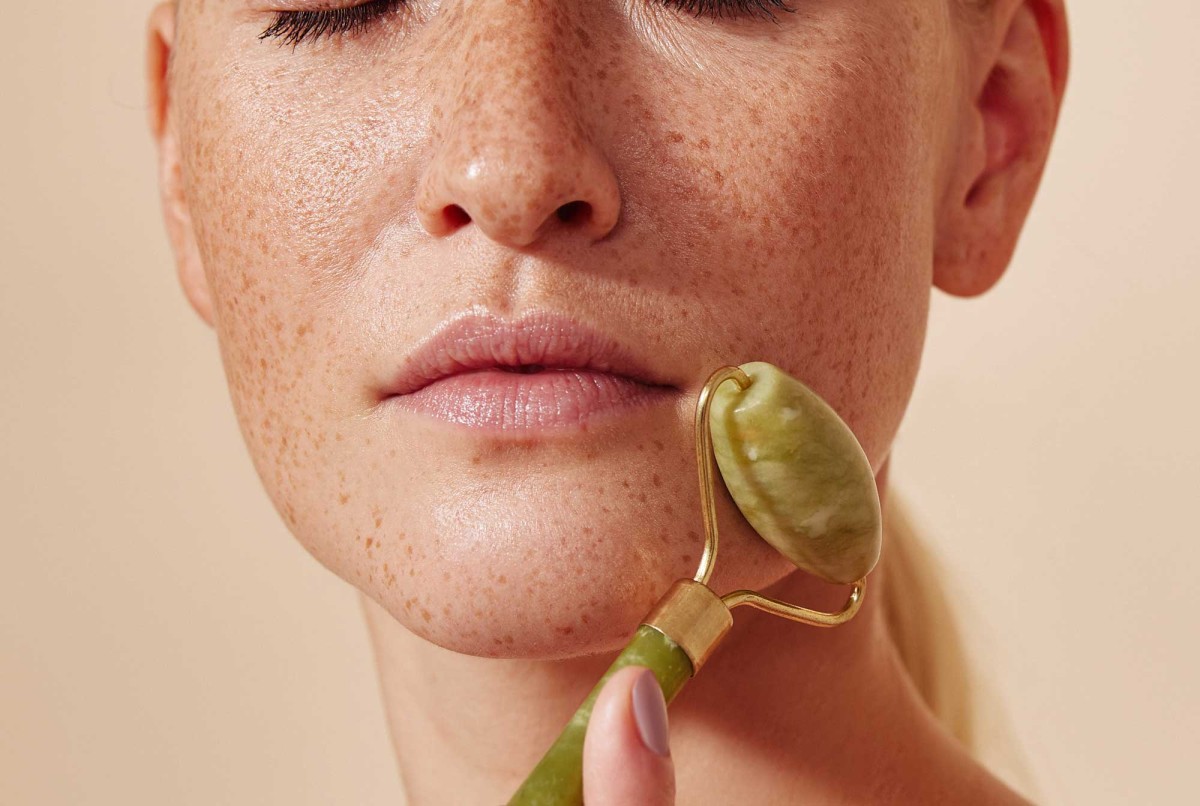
<point>541,338</point>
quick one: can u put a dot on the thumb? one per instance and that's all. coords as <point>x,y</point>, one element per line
<point>626,755</point>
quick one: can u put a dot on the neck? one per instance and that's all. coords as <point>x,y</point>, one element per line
<point>780,707</point>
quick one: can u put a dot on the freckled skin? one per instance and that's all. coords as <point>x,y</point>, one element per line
<point>735,191</point>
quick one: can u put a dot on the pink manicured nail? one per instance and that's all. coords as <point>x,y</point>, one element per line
<point>650,713</point>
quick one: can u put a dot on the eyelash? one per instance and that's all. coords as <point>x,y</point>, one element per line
<point>294,27</point>
<point>719,8</point>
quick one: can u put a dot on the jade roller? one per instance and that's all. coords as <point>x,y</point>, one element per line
<point>800,478</point>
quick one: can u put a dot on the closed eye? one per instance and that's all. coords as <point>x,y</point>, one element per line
<point>294,27</point>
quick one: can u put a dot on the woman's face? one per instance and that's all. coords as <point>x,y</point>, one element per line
<point>751,190</point>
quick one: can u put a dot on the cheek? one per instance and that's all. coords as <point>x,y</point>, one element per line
<point>283,203</point>
<point>804,205</point>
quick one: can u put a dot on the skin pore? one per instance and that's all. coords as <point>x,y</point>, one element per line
<point>709,191</point>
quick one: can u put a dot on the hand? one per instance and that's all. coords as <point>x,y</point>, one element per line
<point>628,725</point>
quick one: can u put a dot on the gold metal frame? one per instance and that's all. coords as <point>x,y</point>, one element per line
<point>690,613</point>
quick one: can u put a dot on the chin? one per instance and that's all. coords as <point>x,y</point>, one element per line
<point>563,606</point>
<point>526,632</point>
<point>544,611</point>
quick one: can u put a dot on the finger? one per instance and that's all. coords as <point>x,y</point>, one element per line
<point>626,754</point>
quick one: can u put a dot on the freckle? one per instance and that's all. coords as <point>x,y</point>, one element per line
<point>378,522</point>
<point>656,480</point>
<point>508,639</point>
<point>587,530</point>
<point>641,497</point>
<point>408,550</point>
<point>445,576</point>
<point>502,579</point>
<point>687,558</point>
<point>579,570</point>
<point>425,614</point>
<point>585,619</point>
<point>625,483</point>
<point>658,443</point>
<point>565,630</point>
<point>476,459</point>
<point>343,498</point>
<point>370,542</point>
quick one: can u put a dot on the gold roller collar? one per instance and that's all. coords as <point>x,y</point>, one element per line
<point>694,617</point>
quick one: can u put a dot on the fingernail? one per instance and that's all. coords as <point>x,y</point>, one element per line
<point>650,713</point>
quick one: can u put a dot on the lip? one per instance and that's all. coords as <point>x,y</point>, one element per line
<point>544,370</point>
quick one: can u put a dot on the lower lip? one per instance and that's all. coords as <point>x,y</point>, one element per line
<point>497,400</point>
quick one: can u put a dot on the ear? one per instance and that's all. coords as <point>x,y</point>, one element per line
<point>1018,66</point>
<point>160,46</point>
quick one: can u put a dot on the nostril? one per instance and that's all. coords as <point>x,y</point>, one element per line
<point>576,211</point>
<point>456,217</point>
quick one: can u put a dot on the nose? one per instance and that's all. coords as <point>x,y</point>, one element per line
<point>512,152</point>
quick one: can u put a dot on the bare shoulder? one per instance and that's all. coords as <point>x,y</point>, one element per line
<point>978,789</point>
<point>934,769</point>
<point>984,790</point>
<point>988,790</point>
<point>967,781</point>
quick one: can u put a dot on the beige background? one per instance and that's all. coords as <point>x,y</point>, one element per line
<point>164,640</point>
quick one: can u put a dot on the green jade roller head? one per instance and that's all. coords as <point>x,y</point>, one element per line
<point>797,474</point>
<point>801,480</point>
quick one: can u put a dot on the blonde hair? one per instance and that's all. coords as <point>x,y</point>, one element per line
<point>922,625</point>
<point>926,633</point>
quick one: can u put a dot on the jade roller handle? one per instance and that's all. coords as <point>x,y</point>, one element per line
<point>557,780</point>
<point>673,641</point>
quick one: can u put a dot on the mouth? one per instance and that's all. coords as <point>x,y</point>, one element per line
<point>543,371</point>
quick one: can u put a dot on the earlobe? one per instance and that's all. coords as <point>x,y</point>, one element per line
<point>1005,136</point>
<point>176,214</point>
